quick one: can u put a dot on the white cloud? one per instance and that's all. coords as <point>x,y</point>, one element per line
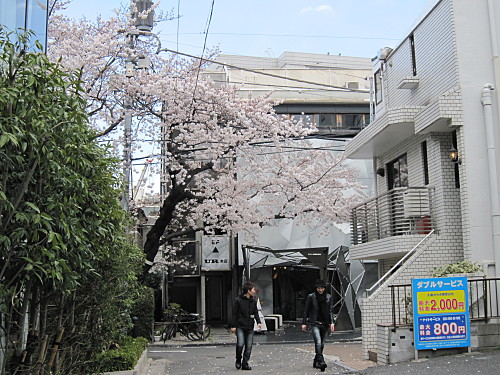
<point>320,9</point>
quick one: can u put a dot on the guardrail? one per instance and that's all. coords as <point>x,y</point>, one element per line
<point>394,268</point>
<point>484,295</point>
<point>397,212</point>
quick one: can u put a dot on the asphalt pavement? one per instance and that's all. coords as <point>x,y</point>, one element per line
<point>291,351</point>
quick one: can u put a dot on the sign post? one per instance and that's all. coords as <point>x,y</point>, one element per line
<point>440,313</point>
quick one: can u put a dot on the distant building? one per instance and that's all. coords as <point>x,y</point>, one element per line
<point>333,92</point>
<point>26,14</point>
<point>330,91</point>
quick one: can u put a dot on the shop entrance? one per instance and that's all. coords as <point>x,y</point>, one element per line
<point>215,299</point>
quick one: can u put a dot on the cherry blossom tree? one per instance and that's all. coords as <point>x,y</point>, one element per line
<point>215,168</point>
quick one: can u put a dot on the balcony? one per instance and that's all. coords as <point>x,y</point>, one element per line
<point>398,213</point>
<point>388,129</point>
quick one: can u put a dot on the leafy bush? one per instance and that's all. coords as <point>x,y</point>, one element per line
<point>143,309</point>
<point>123,358</point>
<point>464,266</point>
<point>173,309</point>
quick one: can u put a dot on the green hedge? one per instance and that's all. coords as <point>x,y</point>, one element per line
<point>143,309</point>
<point>123,358</point>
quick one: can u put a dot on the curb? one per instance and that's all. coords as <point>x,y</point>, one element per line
<point>294,342</point>
<point>140,367</point>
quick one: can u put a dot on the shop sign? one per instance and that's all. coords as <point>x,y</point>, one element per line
<point>215,253</point>
<point>440,313</point>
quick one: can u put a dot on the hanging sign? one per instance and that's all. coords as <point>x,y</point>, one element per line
<point>440,313</point>
<point>215,253</point>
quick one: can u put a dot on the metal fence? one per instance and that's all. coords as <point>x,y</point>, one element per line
<point>399,211</point>
<point>483,303</point>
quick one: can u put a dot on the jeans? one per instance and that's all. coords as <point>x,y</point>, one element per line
<point>319,333</point>
<point>244,338</point>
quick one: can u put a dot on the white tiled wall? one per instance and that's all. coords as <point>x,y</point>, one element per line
<point>440,96</point>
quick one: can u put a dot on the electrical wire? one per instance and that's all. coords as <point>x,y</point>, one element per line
<point>296,36</point>
<point>261,73</point>
<point>209,21</point>
<point>178,22</point>
<point>310,90</point>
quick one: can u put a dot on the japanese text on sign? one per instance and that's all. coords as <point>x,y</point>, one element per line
<point>441,317</point>
<point>444,302</point>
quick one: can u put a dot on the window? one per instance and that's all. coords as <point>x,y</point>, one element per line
<point>306,119</point>
<point>425,163</point>
<point>334,120</point>
<point>25,14</point>
<point>413,58</point>
<point>397,173</point>
<point>378,87</point>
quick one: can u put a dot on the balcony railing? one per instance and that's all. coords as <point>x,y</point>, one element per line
<point>398,212</point>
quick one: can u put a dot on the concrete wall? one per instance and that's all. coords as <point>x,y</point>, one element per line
<point>395,345</point>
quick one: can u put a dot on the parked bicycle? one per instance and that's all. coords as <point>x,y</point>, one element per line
<point>188,325</point>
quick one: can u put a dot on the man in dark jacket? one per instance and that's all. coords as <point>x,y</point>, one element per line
<point>244,313</point>
<point>318,312</point>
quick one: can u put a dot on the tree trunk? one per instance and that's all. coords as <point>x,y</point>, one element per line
<point>176,195</point>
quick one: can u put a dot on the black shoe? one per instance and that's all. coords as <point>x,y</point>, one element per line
<point>315,364</point>
<point>238,364</point>
<point>323,366</point>
<point>245,366</point>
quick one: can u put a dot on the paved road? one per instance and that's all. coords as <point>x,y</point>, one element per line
<point>292,359</point>
<point>485,362</point>
<point>266,359</point>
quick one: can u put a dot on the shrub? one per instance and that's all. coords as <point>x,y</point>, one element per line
<point>143,309</point>
<point>464,266</point>
<point>123,358</point>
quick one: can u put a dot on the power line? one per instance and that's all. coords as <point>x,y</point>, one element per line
<point>293,36</point>
<point>261,73</point>
<point>310,90</point>
<point>178,21</point>
<point>209,21</point>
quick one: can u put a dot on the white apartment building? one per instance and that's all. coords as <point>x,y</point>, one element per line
<point>436,91</point>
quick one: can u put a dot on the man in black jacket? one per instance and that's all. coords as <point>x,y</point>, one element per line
<point>318,312</point>
<point>244,313</point>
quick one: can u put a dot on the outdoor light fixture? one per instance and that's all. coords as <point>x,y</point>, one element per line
<point>454,155</point>
<point>381,172</point>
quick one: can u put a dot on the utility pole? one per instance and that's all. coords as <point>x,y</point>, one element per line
<point>143,25</point>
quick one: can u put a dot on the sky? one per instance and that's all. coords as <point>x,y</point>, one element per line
<point>267,28</point>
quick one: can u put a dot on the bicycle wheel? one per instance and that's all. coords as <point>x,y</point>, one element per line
<point>192,332</point>
<point>168,332</point>
<point>206,331</point>
<point>201,331</point>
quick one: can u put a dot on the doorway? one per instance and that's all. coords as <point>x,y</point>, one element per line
<point>215,301</point>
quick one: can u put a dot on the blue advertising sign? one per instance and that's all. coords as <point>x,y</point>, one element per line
<point>440,313</point>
